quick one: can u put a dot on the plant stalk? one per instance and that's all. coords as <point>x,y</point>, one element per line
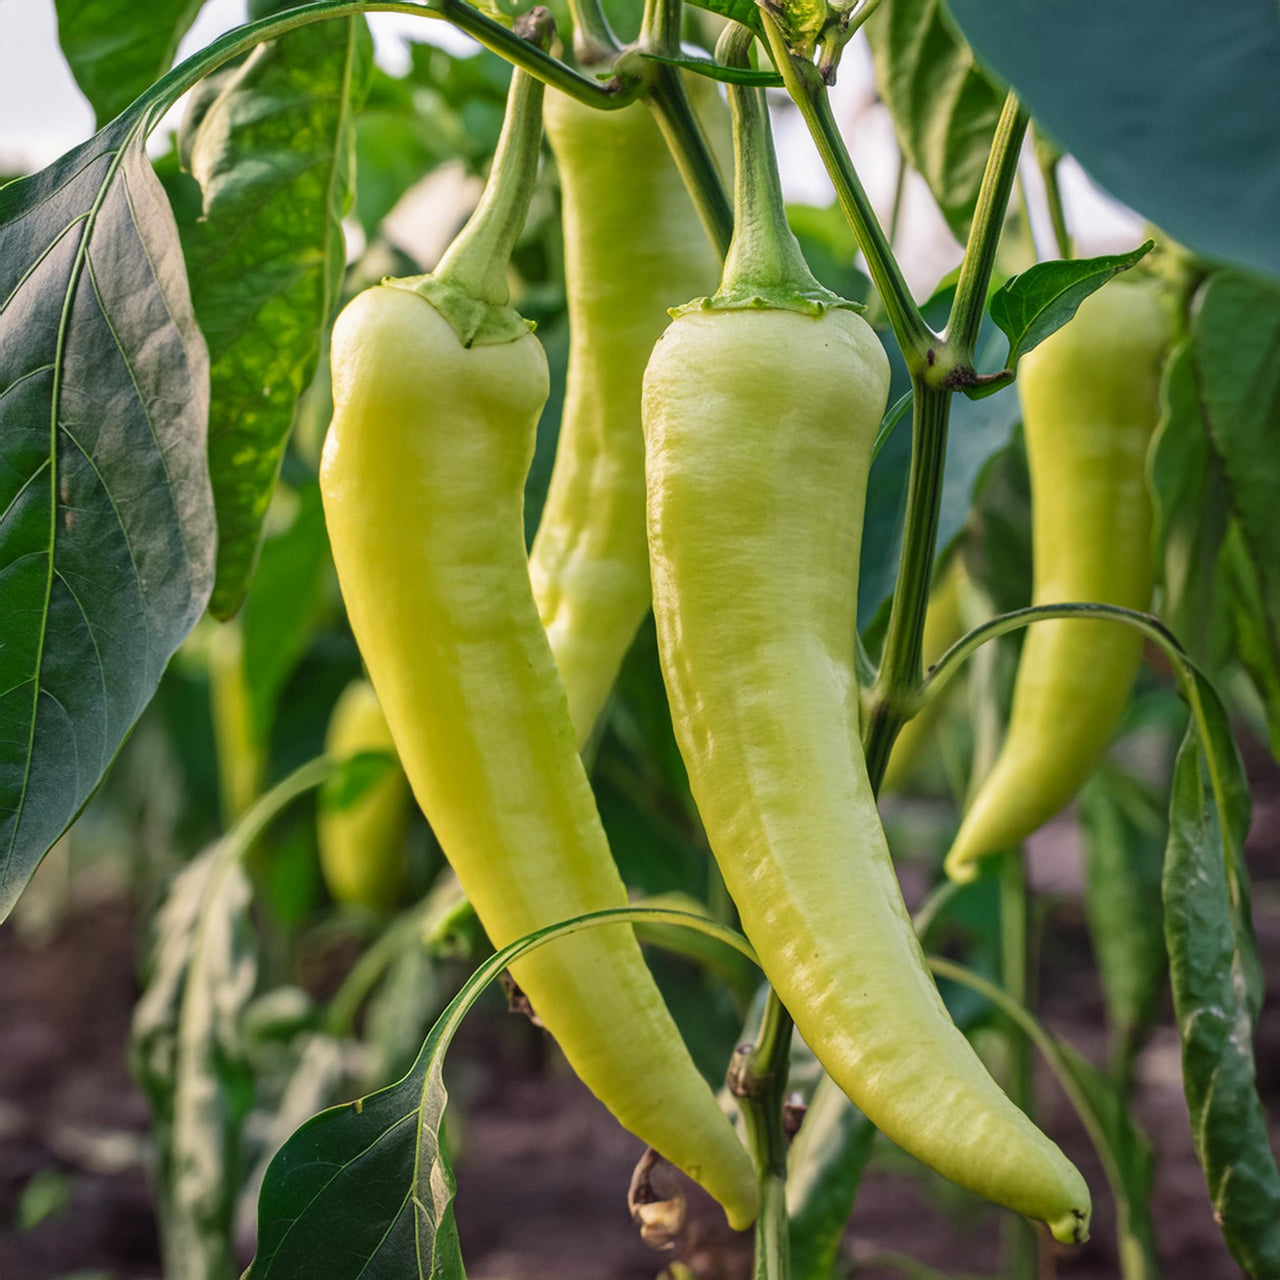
<point>805,85</point>
<point>896,690</point>
<point>758,1079</point>
<point>984,238</point>
<point>665,96</point>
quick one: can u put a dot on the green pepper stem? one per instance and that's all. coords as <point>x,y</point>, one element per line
<point>984,239</point>
<point>477,260</point>
<point>665,96</point>
<point>1048,158</point>
<point>764,256</point>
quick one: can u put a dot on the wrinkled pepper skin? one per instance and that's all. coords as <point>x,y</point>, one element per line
<point>633,247</point>
<point>758,428</point>
<point>1090,398</point>
<point>362,844</point>
<point>422,478</point>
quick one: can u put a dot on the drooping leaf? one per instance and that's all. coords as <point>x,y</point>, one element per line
<point>189,1055</point>
<point>118,48</point>
<point>106,520</point>
<point>1036,303</point>
<point>1190,509</point>
<point>944,107</point>
<point>273,152</point>
<point>1217,989</point>
<point>189,1043</point>
<point>1123,831</point>
<point>1169,104</point>
<point>1236,350</point>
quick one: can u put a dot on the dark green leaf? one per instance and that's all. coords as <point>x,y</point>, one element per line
<point>273,154</point>
<point>824,1167</point>
<point>1253,631</point>
<point>1236,345</point>
<point>106,522</point>
<point>1190,510</point>
<point>188,1049</point>
<point>1170,104</point>
<point>742,11</point>
<point>1123,831</point>
<point>944,108</point>
<point>717,71</point>
<point>1039,301</point>
<point>1214,972</point>
<point>280,613</point>
<point>118,48</point>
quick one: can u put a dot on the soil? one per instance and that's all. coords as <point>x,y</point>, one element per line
<point>544,1173</point>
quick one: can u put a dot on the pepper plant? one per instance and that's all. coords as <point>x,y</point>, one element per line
<point>164,331</point>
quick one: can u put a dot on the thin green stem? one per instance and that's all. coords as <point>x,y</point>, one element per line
<point>984,237</point>
<point>478,258</point>
<point>1021,1242</point>
<point>666,97</point>
<point>804,83</point>
<point>897,686</point>
<point>492,34</point>
<point>758,1079</point>
<point>764,257</point>
<point>1047,161</point>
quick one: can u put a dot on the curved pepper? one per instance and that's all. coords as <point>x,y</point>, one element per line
<point>633,247</point>
<point>1090,398</point>
<point>760,409</point>
<point>437,391</point>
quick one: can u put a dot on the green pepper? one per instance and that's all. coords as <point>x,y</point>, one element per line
<point>633,247</point>
<point>761,406</point>
<point>438,386</point>
<point>1090,397</point>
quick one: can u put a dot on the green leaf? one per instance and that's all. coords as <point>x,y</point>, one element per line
<point>1190,510</point>
<point>118,48</point>
<point>825,1164</point>
<point>1170,104</point>
<point>1030,306</point>
<point>741,11</point>
<point>1123,830</point>
<point>1236,346</point>
<point>189,1055</point>
<point>106,521</point>
<point>281,612</point>
<point>944,107</point>
<point>365,1191</point>
<point>1214,972</point>
<point>273,154</point>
